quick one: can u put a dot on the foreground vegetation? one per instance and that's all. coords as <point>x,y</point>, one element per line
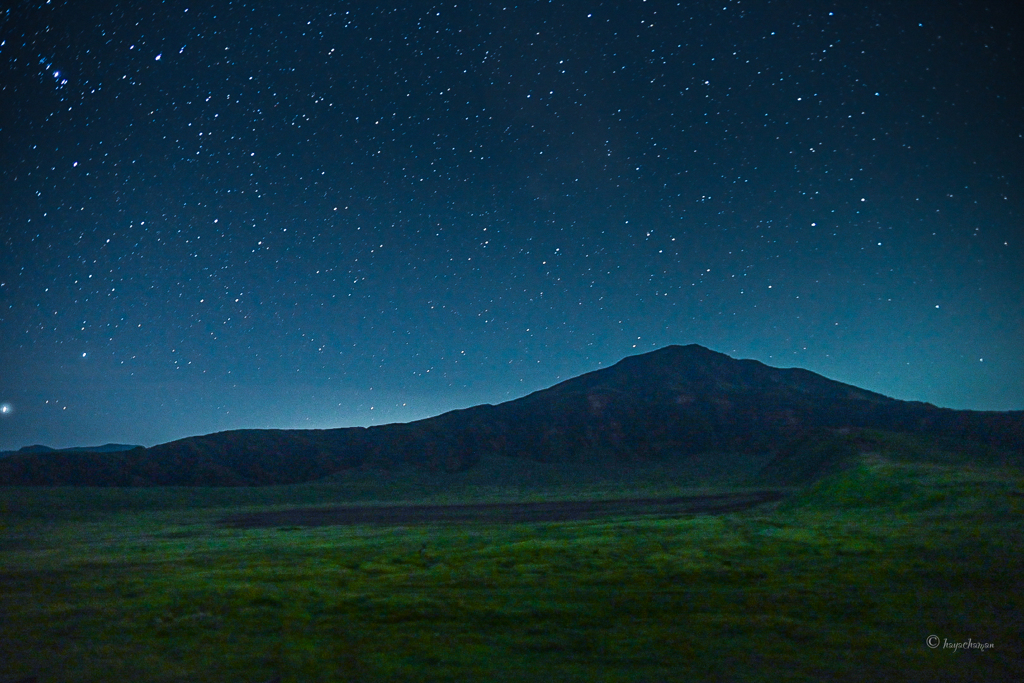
<point>844,580</point>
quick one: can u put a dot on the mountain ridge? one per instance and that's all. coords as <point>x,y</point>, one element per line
<point>39,448</point>
<point>671,403</point>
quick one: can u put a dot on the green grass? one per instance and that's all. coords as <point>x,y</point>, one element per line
<point>843,581</point>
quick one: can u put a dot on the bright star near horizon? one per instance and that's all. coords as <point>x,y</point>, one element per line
<point>5,408</point>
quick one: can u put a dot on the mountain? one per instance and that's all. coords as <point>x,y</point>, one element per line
<point>105,448</point>
<point>674,403</point>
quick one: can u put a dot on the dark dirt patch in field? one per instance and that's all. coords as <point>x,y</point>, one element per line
<point>501,513</point>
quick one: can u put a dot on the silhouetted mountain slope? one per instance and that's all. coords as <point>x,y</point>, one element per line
<point>672,403</point>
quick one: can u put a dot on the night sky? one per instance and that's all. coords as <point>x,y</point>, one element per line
<point>273,214</point>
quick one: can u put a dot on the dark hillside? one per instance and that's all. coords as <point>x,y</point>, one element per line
<point>673,403</point>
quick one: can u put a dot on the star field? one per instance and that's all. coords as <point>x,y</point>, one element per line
<point>242,214</point>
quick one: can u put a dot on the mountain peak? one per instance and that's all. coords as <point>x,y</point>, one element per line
<point>674,354</point>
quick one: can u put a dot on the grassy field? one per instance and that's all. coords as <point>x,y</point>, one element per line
<point>843,581</point>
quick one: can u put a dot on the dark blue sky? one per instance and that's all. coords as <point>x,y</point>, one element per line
<point>252,214</point>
